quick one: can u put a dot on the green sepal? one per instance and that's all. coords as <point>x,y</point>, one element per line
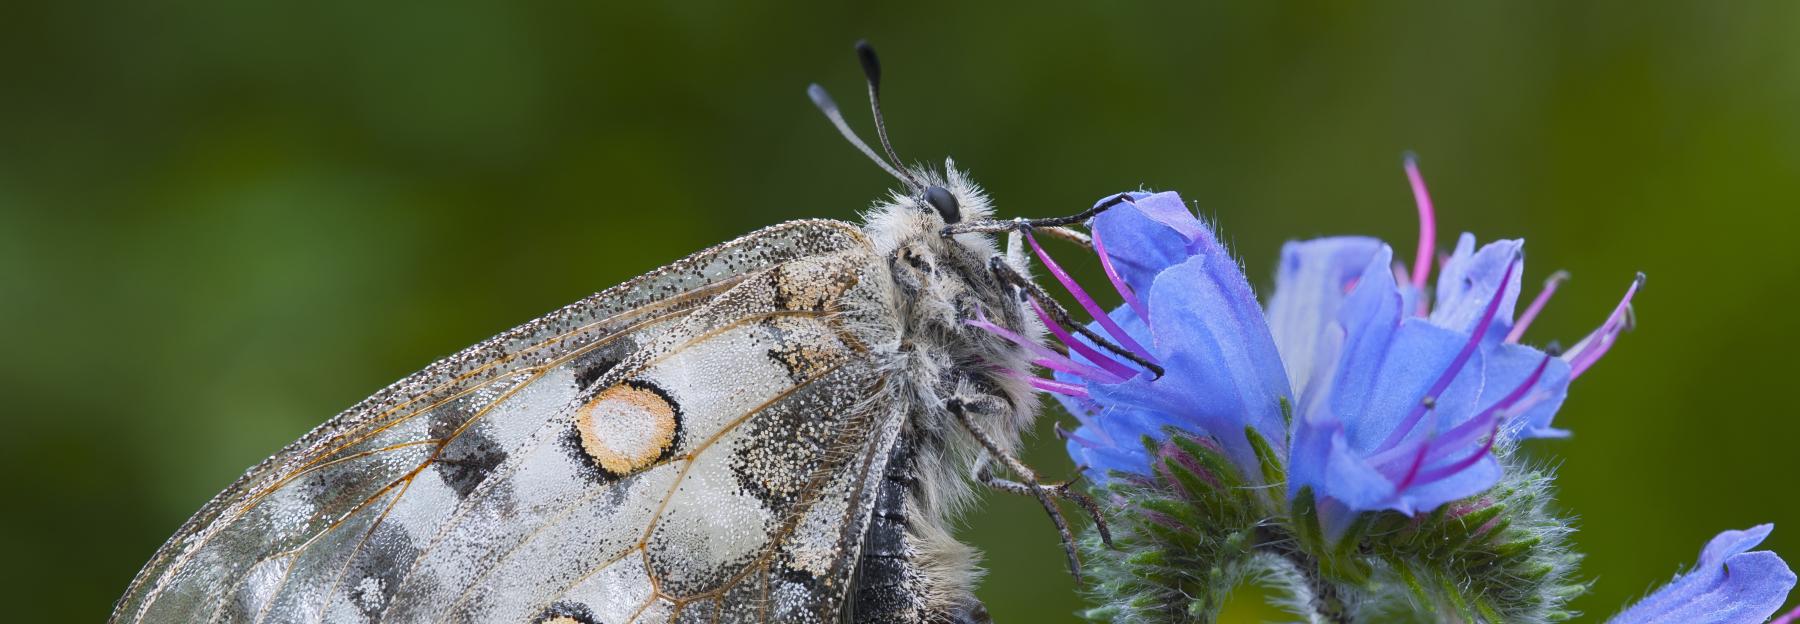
<point>1411,580</point>
<point>1196,487</point>
<point>1213,461</point>
<point>1304,521</point>
<point>1274,472</point>
<point>1454,594</point>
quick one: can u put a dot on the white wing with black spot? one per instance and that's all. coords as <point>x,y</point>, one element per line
<point>699,444</point>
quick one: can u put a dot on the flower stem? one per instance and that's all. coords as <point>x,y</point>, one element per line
<point>1326,604</point>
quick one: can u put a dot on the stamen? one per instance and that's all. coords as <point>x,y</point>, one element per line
<point>1076,437</point>
<point>1537,305</point>
<point>1052,385</point>
<point>1463,433</point>
<point>1418,460</point>
<point>1118,283</point>
<point>1087,303</point>
<point>1035,292</point>
<point>1045,357</point>
<point>1046,385</point>
<point>1421,271</point>
<point>1446,470</point>
<point>1456,365</point>
<point>1111,365</point>
<point>1089,429</point>
<point>1596,344</point>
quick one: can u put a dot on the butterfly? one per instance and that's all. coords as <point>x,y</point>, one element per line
<point>776,429</point>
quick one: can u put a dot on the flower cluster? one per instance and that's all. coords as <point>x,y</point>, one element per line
<point>1375,390</point>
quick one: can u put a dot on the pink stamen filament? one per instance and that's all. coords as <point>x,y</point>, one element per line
<point>1463,433</point>
<point>1104,361</point>
<point>1087,303</point>
<point>1488,419</point>
<point>1421,271</point>
<point>1418,460</point>
<point>1788,618</point>
<point>1456,365</point>
<point>1047,385</point>
<point>1596,344</point>
<point>1118,283</point>
<point>1446,470</point>
<point>1045,357</point>
<point>1076,437</point>
<point>1052,385</point>
<point>1537,305</point>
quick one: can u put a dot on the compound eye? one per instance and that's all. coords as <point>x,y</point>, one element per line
<point>945,203</point>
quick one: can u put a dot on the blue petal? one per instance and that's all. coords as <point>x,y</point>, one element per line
<point>1152,233</point>
<point>1730,586</point>
<point>1311,285</point>
<point>1346,478</point>
<point>1508,369</point>
<point>1470,278</point>
<point>1112,443</point>
<point>1112,423</point>
<point>1222,370</point>
<point>1429,495</point>
<point>1367,321</point>
<point>1418,354</point>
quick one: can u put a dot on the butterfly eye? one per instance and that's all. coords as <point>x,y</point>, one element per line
<point>945,203</point>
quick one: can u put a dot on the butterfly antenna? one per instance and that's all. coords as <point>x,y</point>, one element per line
<point>823,100</point>
<point>871,67</point>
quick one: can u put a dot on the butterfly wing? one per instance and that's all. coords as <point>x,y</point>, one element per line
<point>697,444</point>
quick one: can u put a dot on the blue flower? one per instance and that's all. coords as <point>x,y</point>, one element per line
<point>1731,585</point>
<point>1397,398</point>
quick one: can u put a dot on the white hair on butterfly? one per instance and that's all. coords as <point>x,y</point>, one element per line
<point>777,429</point>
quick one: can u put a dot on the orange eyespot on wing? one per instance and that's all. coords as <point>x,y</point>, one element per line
<point>628,427</point>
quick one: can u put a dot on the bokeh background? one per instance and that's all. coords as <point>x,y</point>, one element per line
<point>223,222</point>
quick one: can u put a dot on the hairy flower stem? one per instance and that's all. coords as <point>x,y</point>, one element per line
<point>1327,605</point>
<point>1322,596</point>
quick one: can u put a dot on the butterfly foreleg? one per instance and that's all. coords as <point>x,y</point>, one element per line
<point>1027,484</point>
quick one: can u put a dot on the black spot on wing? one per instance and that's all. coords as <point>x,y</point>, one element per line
<point>469,457</point>
<point>378,569</point>
<point>593,365</point>
<point>790,354</point>
<point>795,437</point>
<point>701,611</point>
<point>786,580</point>
<point>566,612</point>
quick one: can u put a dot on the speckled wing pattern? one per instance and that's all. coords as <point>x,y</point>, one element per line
<point>697,445</point>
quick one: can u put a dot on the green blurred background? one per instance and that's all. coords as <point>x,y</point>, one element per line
<point>223,222</point>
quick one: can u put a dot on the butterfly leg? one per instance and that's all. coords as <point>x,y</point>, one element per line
<point>1065,490</point>
<point>1028,483</point>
